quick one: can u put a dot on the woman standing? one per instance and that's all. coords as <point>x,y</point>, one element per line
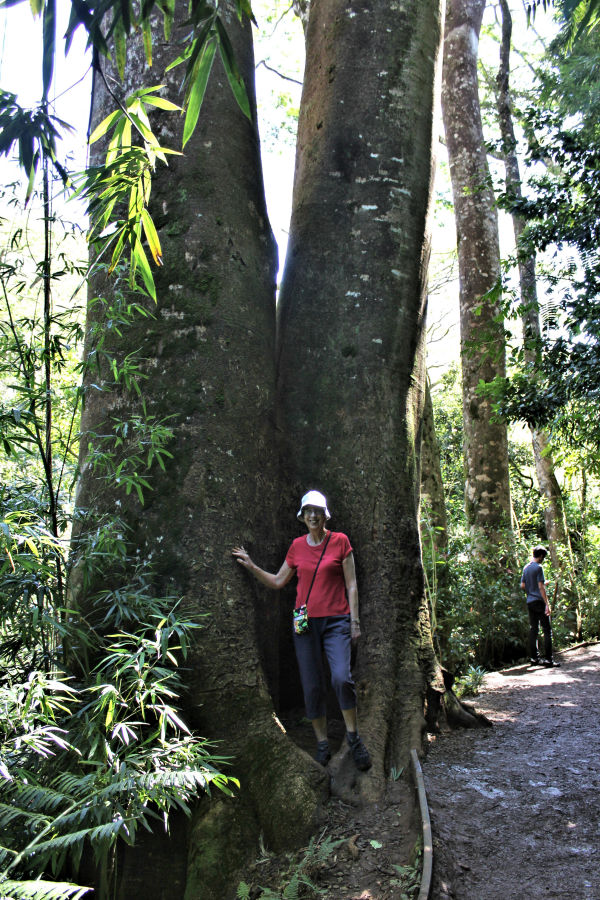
<point>325,618</point>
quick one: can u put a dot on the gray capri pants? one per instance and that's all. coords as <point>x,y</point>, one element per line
<point>331,634</point>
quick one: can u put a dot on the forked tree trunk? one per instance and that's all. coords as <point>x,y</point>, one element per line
<point>350,339</point>
<point>209,363</point>
<point>487,489</point>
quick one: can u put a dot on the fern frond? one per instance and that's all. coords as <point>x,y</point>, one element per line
<point>36,796</point>
<point>9,813</point>
<point>41,890</point>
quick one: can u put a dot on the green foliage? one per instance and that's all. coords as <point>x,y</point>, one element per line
<point>123,182</point>
<point>555,380</point>
<point>93,743</point>
<point>478,609</point>
<point>300,881</point>
<point>408,879</point>
<point>35,134</point>
<point>470,683</point>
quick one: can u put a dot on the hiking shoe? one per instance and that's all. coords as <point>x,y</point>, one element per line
<point>323,754</point>
<point>550,663</point>
<point>360,754</point>
<point>535,661</point>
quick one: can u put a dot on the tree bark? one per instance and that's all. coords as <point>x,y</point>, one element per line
<point>209,362</point>
<point>487,489</point>
<point>350,338</point>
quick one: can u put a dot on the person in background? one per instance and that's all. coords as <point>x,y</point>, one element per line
<point>532,582</point>
<point>325,619</point>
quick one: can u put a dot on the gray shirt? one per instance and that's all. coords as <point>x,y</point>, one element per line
<point>532,575</point>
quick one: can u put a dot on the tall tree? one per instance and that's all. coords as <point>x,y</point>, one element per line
<point>350,338</point>
<point>487,488</point>
<point>554,513</point>
<point>432,485</point>
<point>208,356</point>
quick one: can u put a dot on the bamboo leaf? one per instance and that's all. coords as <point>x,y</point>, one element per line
<point>125,16</point>
<point>140,259</point>
<point>104,126</point>
<point>244,9</point>
<point>152,237</point>
<point>117,251</point>
<point>168,8</point>
<point>198,89</point>
<point>147,32</point>
<point>143,126</point>
<point>162,103</point>
<point>120,39</point>
<point>233,75</point>
<point>49,46</point>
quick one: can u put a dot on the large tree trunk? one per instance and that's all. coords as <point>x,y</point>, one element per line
<point>210,364</point>
<point>487,490</point>
<point>350,339</point>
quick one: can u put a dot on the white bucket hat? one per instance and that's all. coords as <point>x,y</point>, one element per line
<point>314,498</point>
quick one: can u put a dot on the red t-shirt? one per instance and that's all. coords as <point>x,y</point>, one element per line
<point>328,595</point>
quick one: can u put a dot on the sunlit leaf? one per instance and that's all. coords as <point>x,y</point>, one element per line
<point>152,237</point>
<point>140,259</point>
<point>104,126</point>
<point>161,103</point>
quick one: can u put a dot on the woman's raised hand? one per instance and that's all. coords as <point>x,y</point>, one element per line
<point>242,556</point>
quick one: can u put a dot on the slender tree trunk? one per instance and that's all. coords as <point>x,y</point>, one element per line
<point>432,485</point>
<point>350,339</point>
<point>209,364</point>
<point>487,490</point>
<point>433,519</point>
<point>554,513</point>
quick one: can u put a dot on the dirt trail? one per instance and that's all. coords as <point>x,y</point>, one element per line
<point>515,808</point>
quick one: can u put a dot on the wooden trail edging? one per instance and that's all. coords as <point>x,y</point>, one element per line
<point>426,824</point>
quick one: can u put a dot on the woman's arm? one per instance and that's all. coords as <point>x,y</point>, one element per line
<point>352,592</point>
<point>275,581</point>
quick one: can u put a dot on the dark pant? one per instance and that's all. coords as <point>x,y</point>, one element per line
<point>537,617</point>
<point>331,634</point>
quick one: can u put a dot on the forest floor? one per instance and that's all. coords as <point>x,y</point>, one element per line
<point>514,808</point>
<point>373,844</point>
